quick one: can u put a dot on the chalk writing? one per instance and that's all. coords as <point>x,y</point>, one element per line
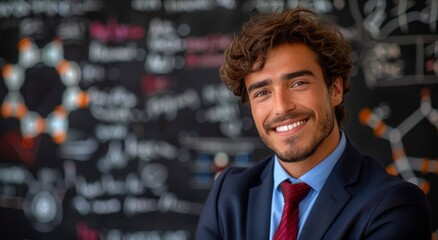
<point>114,234</point>
<point>72,29</point>
<point>173,6</point>
<point>169,105</point>
<point>99,52</point>
<point>115,158</point>
<point>105,132</point>
<point>65,8</point>
<point>149,149</point>
<point>114,31</point>
<point>146,5</point>
<point>13,174</point>
<point>210,43</point>
<point>112,106</point>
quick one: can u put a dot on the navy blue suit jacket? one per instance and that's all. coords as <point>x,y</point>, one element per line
<point>358,201</point>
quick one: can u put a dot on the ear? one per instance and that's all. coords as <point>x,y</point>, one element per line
<point>337,91</point>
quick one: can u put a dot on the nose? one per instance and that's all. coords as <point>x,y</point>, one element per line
<point>283,102</point>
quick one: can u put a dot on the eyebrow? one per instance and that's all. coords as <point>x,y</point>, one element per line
<point>286,76</point>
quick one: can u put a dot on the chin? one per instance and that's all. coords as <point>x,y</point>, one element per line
<point>296,156</point>
<point>297,152</point>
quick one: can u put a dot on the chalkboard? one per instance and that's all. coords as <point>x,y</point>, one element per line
<point>114,122</point>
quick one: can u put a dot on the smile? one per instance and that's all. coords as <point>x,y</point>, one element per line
<point>289,127</point>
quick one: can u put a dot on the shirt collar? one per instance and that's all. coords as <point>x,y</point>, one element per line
<point>316,176</point>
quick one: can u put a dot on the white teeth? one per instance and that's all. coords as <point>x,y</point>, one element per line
<point>289,127</point>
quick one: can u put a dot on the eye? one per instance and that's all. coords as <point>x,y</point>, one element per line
<point>261,93</point>
<point>298,84</point>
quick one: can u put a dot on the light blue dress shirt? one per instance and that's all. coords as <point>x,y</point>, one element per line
<point>315,178</point>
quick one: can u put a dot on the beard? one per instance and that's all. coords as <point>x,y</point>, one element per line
<point>294,152</point>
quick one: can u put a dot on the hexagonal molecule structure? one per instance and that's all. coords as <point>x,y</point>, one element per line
<point>404,165</point>
<point>32,123</point>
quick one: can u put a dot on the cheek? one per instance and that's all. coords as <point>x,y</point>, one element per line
<point>323,107</point>
<point>318,104</point>
<point>259,115</point>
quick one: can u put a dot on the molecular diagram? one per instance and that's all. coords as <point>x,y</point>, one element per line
<point>402,164</point>
<point>32,123</point>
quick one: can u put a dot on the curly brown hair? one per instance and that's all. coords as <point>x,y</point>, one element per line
<point>247,53</point>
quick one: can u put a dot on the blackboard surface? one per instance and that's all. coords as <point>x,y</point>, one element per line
<point>114,121</point>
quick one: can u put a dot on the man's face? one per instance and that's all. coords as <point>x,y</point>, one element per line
<point>291,105</point>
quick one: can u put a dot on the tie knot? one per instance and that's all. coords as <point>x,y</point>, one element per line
<point>294,192</point>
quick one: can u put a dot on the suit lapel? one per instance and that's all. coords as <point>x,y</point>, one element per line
<point>329,203</point>
<point>259,206</point>
<point>333,195</point>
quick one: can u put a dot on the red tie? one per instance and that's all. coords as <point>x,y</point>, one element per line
<point>293,193</point>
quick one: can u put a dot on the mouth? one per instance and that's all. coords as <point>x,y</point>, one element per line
<point>289,127</point>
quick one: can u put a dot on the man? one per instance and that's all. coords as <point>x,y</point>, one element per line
<point>293,69</point>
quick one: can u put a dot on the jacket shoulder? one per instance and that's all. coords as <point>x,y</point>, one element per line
<point>241,176</point>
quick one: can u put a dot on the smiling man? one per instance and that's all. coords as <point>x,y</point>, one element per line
<point>292,107</point>
<point>293,69</point>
